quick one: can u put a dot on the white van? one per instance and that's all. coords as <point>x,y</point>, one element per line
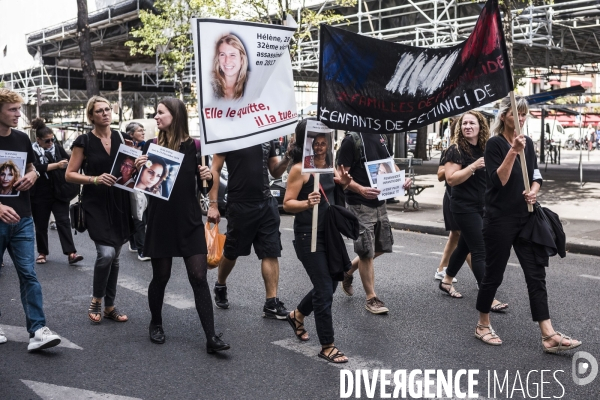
<point>554,130</point>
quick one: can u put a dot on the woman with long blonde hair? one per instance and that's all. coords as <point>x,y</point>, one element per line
<point>230,68</point>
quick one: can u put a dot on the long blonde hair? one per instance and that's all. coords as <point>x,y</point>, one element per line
<point>503,108</point>
<point>178,131</point>
<point>219,76</point>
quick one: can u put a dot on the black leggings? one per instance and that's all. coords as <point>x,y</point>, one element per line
<point>471,241</point>
<point>196,269</point>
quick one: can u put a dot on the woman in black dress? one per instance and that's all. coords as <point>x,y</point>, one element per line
<point>175,227</point>
<point>50,156</point>
<point>106,209</point>
<point>505,216</point>
<point>300,198</point>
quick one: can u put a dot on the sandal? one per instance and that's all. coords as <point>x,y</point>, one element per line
<point>499,308</point>
<point>74,258</point>
<point>450,292</point>
<point>95,309</point>
<point>41,259</point>
<point>334,355</point>
<point>298,326</point>
<point>560,347</point>
<point>492,334</point>
<point>115,315</point>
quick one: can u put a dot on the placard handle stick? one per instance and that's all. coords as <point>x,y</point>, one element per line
<point>204,183</point>
<point>315,221</point>
<point>515,112</point>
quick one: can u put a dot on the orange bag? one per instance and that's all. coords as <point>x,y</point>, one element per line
<point>215,242</point>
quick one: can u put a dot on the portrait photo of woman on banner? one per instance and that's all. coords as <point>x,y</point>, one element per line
<point>318,148</point>
<point>230,68</point>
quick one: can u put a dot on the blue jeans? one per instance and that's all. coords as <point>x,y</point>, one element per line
<point>19,239</point>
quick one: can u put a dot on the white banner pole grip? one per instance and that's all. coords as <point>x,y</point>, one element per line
<point>315,219</point>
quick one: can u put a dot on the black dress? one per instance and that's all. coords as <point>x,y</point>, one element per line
<point>175,227</point>
<point>107,209</point>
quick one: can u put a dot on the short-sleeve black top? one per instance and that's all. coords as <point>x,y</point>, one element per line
<point>507,200</point>
<point>375,148</point>
<point>468,197</point>
<point>248,171</point>
<point>107,209</point>
<point>175,227</point>
<point>18,141</point>
<point>303,220</point>
<point>43,190</point>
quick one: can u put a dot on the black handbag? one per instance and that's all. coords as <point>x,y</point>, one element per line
<point>77,215</point>
<point>63,190</point>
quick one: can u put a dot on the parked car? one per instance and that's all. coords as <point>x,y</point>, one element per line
<point>411,141</point>
<point>278,187</point>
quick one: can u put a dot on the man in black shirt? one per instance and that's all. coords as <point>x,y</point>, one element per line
<point>252,218</point>
<point>375,230</point>
<point>16,223</point>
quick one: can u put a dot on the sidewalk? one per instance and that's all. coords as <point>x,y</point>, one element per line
<point>578,207</point>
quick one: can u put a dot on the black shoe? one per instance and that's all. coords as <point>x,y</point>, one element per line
<point>221,296</point>
<point>215,344</point>
<point>157,334</point>
<point>274,309</point>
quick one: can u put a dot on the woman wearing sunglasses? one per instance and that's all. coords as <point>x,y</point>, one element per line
<point>50,156</point>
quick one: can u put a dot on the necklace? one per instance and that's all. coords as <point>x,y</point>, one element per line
<point>104,140</point>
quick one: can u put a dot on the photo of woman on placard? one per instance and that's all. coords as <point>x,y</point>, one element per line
<point>321,149</point>
<point>9,175</point>
<point>126,171</point>
<point>153,174</point>
<point>230,68</point>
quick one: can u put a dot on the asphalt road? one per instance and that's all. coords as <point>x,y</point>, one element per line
<point>424,330</point>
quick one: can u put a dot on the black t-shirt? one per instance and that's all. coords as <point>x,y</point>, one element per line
<point>507,200</point>
<point>18,141</point>
<point>467,197</point>
<point>248,171</point>
<point>443,162</point>
<point>375,148</point>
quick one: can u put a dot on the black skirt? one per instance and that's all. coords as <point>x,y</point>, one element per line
<point>451,225</point>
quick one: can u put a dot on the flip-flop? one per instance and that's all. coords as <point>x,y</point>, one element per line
<point>499,308</point>
<point>41,259</point>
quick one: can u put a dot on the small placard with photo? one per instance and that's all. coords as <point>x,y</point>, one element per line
<point>390,185</point>
<point>157,176</point>
<point>12,168</point>
<point>124,167</point>
<point>317,155</point>
<point>379,167</point>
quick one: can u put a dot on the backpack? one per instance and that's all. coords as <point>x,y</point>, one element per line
<point>359,151</point>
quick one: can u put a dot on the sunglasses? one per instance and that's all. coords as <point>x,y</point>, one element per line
<point>48,141</point>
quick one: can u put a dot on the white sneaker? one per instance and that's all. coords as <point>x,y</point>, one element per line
<point>132,249</point>
<point>142,257</point>
<point>43,339</point>
<point>3,338</point>
<point>439,275</point>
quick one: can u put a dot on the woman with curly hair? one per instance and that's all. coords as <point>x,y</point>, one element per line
<point>230,68</point>
<point>465,172</point>
<point>9,175</point>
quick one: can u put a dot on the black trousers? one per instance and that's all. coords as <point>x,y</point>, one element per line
<point>471,241</point>
<point>320,297</point>
<point>137,239</point>
<point>41,216</point>
<point>500,234</point>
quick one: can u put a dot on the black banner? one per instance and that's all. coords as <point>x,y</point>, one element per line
<point>371,85</point>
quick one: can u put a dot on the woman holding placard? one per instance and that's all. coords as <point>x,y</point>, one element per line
<point>175,227</point>
<point>107,209</point>
<point>300,198</point>
<point>506,213</point>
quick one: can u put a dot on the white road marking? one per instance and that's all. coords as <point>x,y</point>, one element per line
<point>590,276</point>
<point>397,246</point>
<point>411,254</point>
<point>288,229</point>
<point>48,391</point>
<point>437,252</point>
<point>141,287</point>
<point>20,334</point>
<point>513,264</point>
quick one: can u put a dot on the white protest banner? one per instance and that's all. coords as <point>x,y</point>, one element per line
<point>12,168</point>
<point>245,83</point>
<point>390,185</point>
<point>124,167</point>
<point>157,176</point>
<point>317,155</point>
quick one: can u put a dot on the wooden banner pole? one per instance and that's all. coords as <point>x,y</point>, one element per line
<point>315,219</point>
<point>515,112</point>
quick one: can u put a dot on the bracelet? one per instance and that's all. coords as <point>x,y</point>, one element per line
<point>213,201</point>
<point>96,181</point>
<point>472,170</point>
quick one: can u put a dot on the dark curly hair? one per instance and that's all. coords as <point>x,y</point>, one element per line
<point>296,151</point>
<point>482,137</point>
<point>41,130</point>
